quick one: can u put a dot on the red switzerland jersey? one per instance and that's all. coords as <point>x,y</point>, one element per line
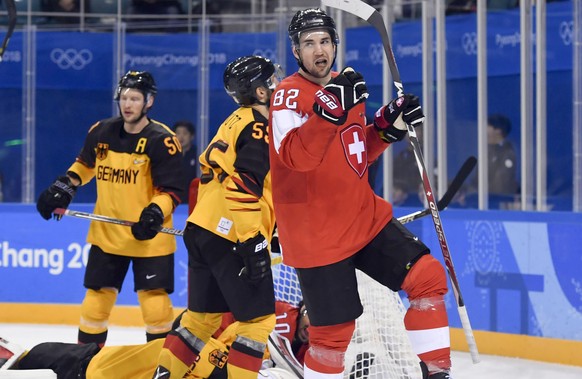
<point>286,319</point>
<point>325,208</point>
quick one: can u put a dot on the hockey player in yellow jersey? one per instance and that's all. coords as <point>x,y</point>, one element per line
<point>228,233</point>
<point>136,163</point>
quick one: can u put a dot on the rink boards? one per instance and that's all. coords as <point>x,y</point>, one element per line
<point>519,274</point>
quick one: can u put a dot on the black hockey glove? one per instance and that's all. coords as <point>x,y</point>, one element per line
<point>341,94</point>
<point>390,120</point>
<point>256,258</point>
<point>150,222</point>
<point>58,195</point>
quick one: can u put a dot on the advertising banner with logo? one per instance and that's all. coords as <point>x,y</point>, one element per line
<point>364,49</point>
<point>44,261</point>
<point>518,271</point>
<point>85,60</point>
<point>74,60</point>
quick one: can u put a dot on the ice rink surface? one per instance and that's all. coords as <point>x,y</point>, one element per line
<point>490,367</point>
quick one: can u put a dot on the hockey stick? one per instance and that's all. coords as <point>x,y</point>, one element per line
<point>111,220</point>
<point>366,12</point>
<point>456,184</point>
<point>11,9</point>
<point>441,205</point>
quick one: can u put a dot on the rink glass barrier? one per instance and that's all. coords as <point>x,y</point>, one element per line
<point>55,84</point>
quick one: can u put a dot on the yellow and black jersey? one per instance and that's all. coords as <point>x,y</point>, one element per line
<point>234,196</point>
<point>131,171</point>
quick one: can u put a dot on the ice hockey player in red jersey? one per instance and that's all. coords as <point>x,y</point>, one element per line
<point>330,222</point>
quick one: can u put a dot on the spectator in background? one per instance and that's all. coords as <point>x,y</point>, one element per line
<point>502,157</point>
<point>65,6</point>
<point>461,6</point>
<point>155,8</point>
<point>501,167</point>
<point>213,8</point>
<point>185,133</point>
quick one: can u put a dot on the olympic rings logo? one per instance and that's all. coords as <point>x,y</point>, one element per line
<point>266,53</point>
<point>469,43</point>
<point>376,53</point>
<point>566,31</point>
<point>71,58</point>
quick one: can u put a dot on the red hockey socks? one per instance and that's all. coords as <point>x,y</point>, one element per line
<point>328,345</point>
<point>426,320</point>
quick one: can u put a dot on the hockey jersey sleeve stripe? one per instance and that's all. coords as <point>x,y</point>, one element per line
<point>242,200</point>
<point>244,185</point>
<point>245,209</point>
<point>283,122</point>
<point>303,148</point>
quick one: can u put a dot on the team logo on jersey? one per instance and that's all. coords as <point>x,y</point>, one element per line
<point>217,358</point>
<point>353,141</point>
<point>101,150</point>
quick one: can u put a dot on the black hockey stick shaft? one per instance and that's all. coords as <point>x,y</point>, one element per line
<point>366,12</point>
<point>110,220</point>
<point>454,187</point>
<point>11,9</point>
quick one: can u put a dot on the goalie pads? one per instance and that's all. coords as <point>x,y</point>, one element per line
<point>9,354</point>
<point>282,355</point>
<point>28,374</point>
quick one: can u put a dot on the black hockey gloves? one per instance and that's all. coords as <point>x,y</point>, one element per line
<point>58,195</point>
<point>391,119</point>
<point>341,94</point>
<point>256,258</point>
<point>150,222</point>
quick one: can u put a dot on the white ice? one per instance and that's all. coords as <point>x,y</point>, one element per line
<point>490,367</point>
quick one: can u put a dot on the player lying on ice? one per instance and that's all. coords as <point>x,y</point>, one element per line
<point>69,360</point>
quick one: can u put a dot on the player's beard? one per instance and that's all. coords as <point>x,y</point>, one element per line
<point>318,74</point>
<point>134,119</point>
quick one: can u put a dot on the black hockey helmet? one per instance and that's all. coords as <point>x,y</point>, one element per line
<point>140,80</point>
<point>245,74</point>
<point>308,19</point>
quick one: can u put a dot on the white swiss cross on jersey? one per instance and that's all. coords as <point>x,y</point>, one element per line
<point>353,141</point>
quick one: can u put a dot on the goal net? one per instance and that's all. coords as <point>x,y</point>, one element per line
<point>380,348</point>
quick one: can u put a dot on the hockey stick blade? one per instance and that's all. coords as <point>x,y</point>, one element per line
<point>444,202</point>
<point>110,220</point>
<point>11,9</point>
<point>366,12</point>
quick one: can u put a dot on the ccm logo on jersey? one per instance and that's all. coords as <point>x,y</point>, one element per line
<point>261,246</point>
<point>329,102</point>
